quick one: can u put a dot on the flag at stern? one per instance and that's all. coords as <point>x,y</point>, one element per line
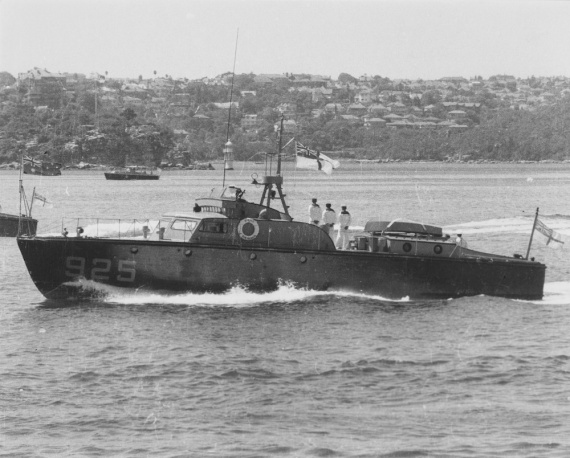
<point>314,160</point>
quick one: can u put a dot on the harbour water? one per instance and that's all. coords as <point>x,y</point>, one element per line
<point>295,373</point>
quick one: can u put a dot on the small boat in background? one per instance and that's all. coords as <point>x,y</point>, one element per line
<point>133,172</point>
<point>12,225</point>
<point>35,166</point>
<point>22,224</point>
<point>201,166</point>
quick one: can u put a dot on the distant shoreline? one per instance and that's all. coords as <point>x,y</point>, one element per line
<point>102,168</point>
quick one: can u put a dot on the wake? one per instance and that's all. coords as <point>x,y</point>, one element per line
<point>515,225</point>
<point>555,293</point>
<point>236,297</point>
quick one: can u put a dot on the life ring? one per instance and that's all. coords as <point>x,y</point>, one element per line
<point>407,247</point>
<point>245,231</point>
<point>437,249</point>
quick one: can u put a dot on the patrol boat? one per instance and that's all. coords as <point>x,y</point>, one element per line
<point>22,223</point>
<point>228,241</point>
<point>12,225</point>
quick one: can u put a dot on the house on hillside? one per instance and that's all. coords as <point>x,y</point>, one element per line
<point>469,105</point>
<point>457,115</point>
<point>262,80</point>
<point>400,124</point>
<point>392,117</point>
<point>456,80</point>
<point>289,126</point>
<point>374,123</point>
<point>161,86</point>
<point>270,78</point>
<point>201,117</point>
<point>321,93</point>
<point>449,105</point>
<point>226,105</point>
<point>378,109</point>
<point>334,108</point>
<point>288,109</point>
<point>398,108</point>
<point>109,99</point>
<point>363,96</point>
<point>250,122</point>
<point>351,119</point>
<point>135,90</point>
<point>43,87</point>
<point>356,109</point>
<point>156,102</point>
<point>129,101</point>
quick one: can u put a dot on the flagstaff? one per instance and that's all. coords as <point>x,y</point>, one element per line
<point>532,233</point>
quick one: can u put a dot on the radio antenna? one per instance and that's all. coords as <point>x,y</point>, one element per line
<point>228,147</point>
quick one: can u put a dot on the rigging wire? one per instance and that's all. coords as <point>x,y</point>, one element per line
<point>230,107</point>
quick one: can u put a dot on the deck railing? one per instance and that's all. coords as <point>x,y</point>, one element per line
<point>109,228</point>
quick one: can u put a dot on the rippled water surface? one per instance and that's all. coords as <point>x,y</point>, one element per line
<point>295,373</point>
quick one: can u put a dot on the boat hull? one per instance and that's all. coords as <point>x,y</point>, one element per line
<point>130,176</point>
<point>57,265</point>
<point>12,225</point>
<point>47,169</point>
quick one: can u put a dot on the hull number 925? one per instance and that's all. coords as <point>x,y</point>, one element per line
<point>99,269</point>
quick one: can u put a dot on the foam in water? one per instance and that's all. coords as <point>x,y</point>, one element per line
<point>517,225</point>
<point>556,293</point>
<point>237,296</point>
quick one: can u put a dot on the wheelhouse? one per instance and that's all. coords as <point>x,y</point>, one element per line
<point>181,226</point>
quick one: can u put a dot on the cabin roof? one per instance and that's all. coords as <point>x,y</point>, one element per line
<point>194,215</point>
<point>402,226</point>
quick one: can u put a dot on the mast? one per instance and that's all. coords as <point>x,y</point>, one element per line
<point>276,180</point>
<point>279,147</point>
<point>532,233</point>
<point>23,200</point>
<point>96,108</point>
<point>20,194</point>
<point>228,147</point>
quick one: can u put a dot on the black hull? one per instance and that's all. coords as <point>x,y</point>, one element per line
<point>9,225</point>
<point>45,169</point>
<point>54,263</point>
<point>130,176</point>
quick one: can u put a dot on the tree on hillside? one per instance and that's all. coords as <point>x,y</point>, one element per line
<point>346,78</point>
<point>6,79</point>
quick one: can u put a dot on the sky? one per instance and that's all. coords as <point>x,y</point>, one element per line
<point>408,39</point>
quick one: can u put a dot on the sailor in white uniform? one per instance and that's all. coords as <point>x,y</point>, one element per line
<point>329,219</point>
<point>343,226</point>
<point>314,212</point>
<point>460,241</point>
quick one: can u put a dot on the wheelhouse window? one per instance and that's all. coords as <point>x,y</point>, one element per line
<point>214,227</point>
<point>179,229</point>
<point>183,225</point>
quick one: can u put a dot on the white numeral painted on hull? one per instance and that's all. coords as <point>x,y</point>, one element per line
<point>126,271</point>
<point>74,266</point>
<point>100,269</point>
